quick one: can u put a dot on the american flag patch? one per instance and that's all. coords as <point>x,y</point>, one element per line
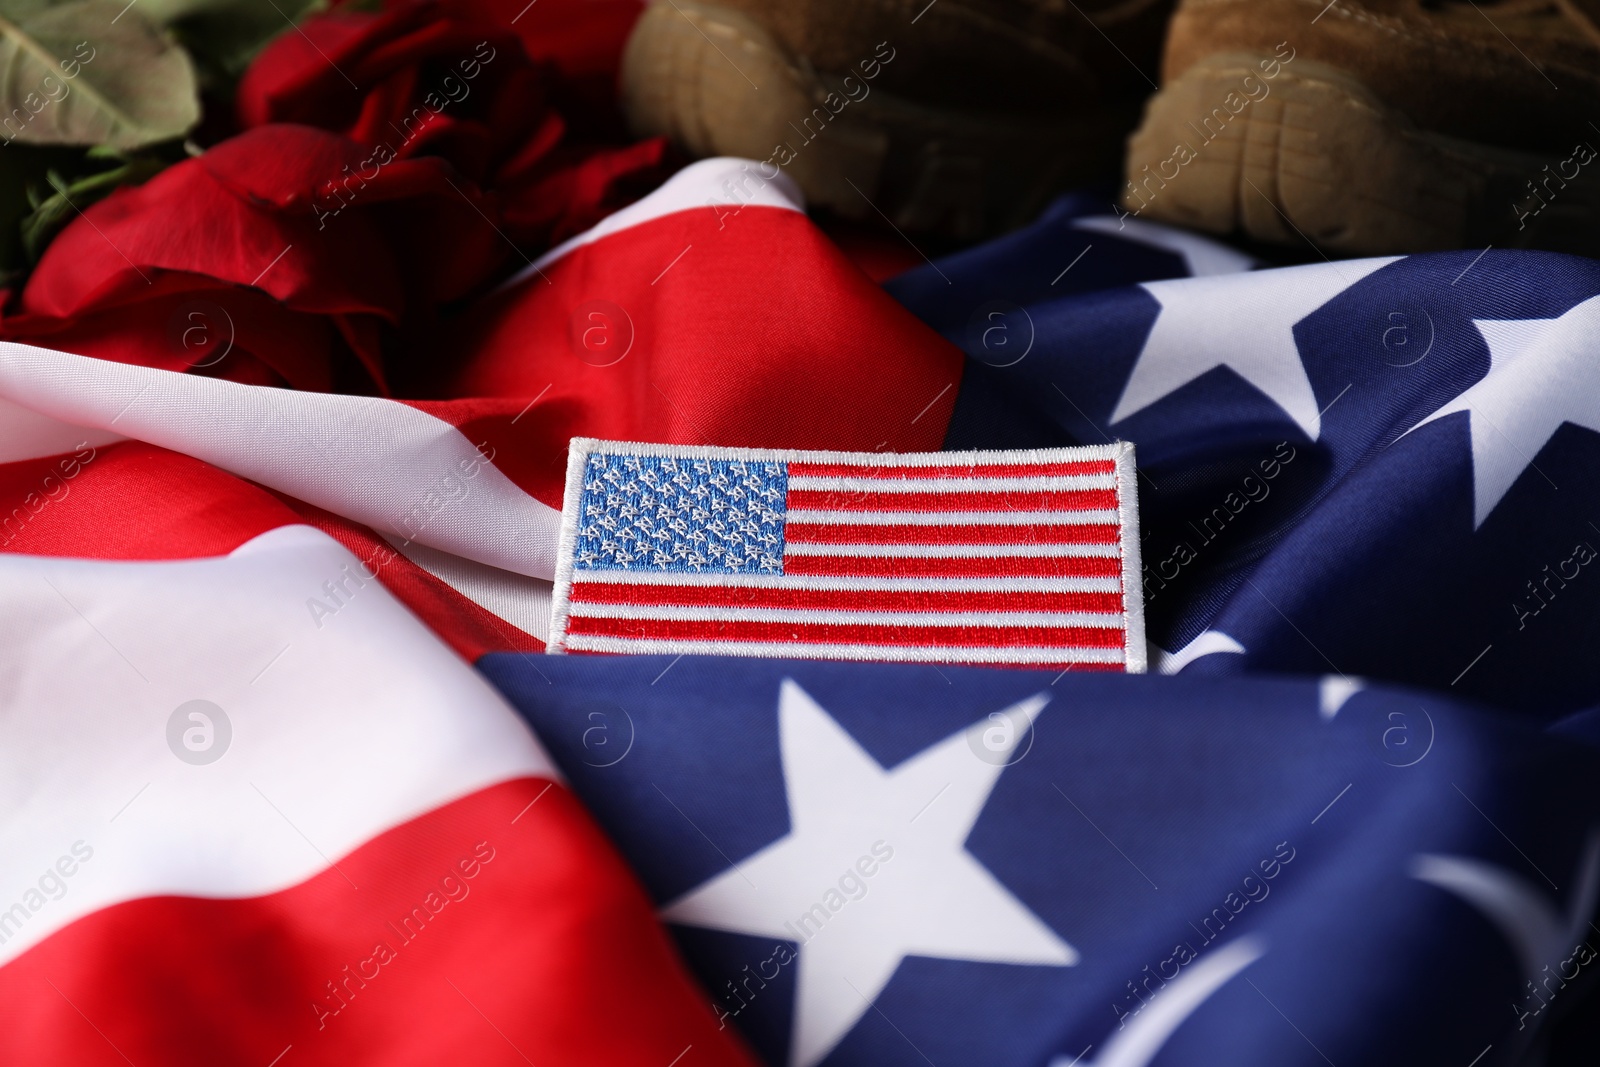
<point>1025,558</point>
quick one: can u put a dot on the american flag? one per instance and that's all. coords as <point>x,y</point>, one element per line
<point>999,557</point>
<point>1384,672</point>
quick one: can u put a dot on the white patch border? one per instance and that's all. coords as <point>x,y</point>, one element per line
<point>1119,452</point>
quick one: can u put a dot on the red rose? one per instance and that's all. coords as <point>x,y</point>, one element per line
<point>427,78</point>
<point>220,263</point>
<point>312,248</point>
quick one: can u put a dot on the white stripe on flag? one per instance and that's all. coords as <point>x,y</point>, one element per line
<point>29,434</point>
<point>344,723</point>
<point>708,184</point>
<point>382,463</point>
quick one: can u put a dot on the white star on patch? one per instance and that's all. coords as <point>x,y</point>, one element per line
<point>1244,322</point>
<point>1542,373</point>
<point>926,895</point>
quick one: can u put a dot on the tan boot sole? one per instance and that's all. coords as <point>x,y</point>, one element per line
<point>1320,159</point>
<point>718,84</point>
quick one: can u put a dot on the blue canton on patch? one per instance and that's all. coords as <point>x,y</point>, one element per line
<point>657,513</point>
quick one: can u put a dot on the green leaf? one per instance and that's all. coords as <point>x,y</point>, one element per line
<point>166,12</point>
<point>91,72</point>
<point>225,35</point>
<point>21,10</point>
<point>23,187</point>
<point>68,199</point>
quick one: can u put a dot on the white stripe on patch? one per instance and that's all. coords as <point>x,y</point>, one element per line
<point>900,585</point>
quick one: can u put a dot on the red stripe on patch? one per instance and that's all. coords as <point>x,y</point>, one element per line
<point>854,634</point>
<point>814,533</point>
<point>1015,500</point>
<point>955,567</point>
<point>1117,667</point>
<point>954,470</point>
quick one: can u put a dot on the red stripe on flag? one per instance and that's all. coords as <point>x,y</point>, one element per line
<point>954,470</point>
<point>955,566</point>
<point>130,500</point>
<point>853,634</point>
<point>1025,500</point>
<point>861,386</point>
<point>540,938</point>
<point>978,534</point>
<point>725,596</point>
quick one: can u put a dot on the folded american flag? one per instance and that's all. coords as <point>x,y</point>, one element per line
<point>1004,557</point>
<point>334,583</point>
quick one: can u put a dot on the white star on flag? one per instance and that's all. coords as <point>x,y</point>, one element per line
<point>1244,322</point>
<point>1208,643</point>
<point>929,897</point>
<point>1201,255</point>
<point>1542,373</point>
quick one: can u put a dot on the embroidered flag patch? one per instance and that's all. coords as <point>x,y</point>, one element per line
<point>1023,558</point>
